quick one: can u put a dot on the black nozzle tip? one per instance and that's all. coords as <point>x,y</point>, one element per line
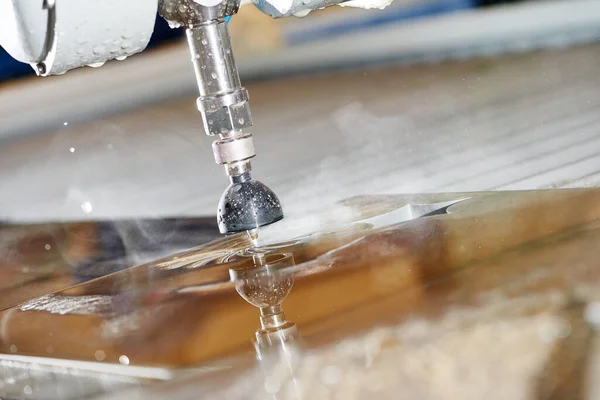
<point>246,205</point>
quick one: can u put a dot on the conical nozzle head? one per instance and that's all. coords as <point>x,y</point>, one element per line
<point>247,204</point>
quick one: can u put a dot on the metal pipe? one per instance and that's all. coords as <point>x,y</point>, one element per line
<point>214,65</point>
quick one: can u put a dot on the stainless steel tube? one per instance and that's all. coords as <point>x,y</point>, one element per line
<point>214,65</point>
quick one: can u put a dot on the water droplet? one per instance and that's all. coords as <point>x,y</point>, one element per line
<point>302,14</point>
<point>97,64</point>
<point>47,246</point>
<point>99,355</point>
<point>204,42</point>
<point>72,149</point>
<point>197,56</point>
<point>182,8</point>
<point>214,75</point>
<point>124,359</point>
<point>86,206</point>
<point>228,51</point>
<point>27,389</point>
<point>272,385</point>
<point>65,123</point>
<point>241,120</point>
<point>210,121</point>
<point>120,58</point>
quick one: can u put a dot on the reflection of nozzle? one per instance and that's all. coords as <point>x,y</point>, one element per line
<point>275,328</point>
<point>265,284</point>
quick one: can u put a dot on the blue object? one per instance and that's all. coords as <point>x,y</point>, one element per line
<point>11,68</point>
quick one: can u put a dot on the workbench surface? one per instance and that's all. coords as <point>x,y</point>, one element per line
<point>518,122</point>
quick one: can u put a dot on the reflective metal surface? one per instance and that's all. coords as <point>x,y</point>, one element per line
<point>470,296</point>
<point>37,259</point>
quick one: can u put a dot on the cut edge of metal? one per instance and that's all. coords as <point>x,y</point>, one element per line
<point>116,370</point>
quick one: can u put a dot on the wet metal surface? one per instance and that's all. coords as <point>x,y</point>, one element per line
<point>37,259</point>
<point>489,295</point>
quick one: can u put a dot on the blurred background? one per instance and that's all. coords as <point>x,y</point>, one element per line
<point>423,96</point>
